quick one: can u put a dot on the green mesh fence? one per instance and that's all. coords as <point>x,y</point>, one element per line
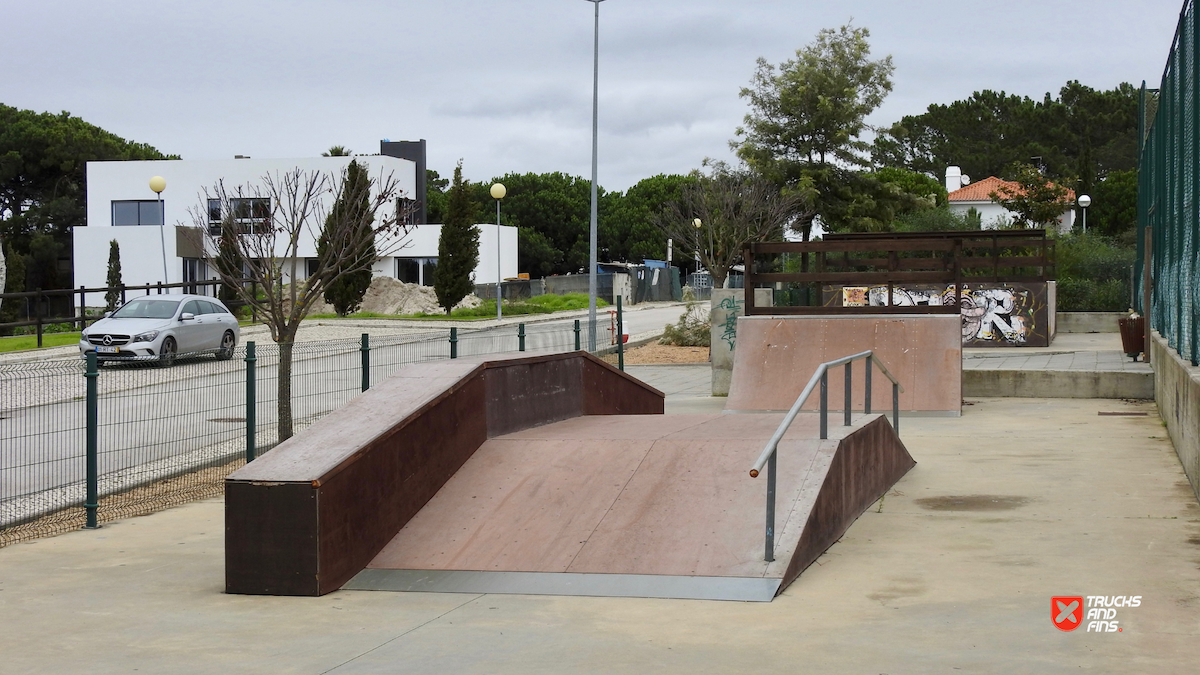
<point>1169,183</point>
<point>167,436</point>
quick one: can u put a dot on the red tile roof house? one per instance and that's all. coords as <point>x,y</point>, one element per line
<point>965,195</point>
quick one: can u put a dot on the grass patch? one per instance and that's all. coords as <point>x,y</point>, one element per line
<point>19,342</point>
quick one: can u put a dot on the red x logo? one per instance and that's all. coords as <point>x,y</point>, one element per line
<point>1066,611</point>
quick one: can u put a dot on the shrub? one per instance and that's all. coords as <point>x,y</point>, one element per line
<point>692,329</point>
<point>1093,273</point>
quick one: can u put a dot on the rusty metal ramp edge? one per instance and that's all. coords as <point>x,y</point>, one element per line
<point>745,589</point>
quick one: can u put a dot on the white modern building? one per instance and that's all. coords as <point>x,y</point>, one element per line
<point>965,195</point>
<point>160,240</point>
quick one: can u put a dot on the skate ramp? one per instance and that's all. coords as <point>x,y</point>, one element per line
<point>776,354</point>
<point>642,506</point>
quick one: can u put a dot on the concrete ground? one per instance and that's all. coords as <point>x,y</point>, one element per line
<point>1015,502</point>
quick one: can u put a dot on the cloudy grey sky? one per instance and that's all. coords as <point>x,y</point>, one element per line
<point>506,85</point>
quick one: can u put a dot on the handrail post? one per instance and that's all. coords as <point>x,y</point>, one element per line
<point>867,396</point>
<point>770,552</point>
<point>453,342</point>
<point>825,405</point>
<point>577,343</point>
<point>846,415</point>
<point>896,407</point>
<point>520,337</point>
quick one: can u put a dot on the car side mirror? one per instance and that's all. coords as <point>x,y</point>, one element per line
<point>187,316</point>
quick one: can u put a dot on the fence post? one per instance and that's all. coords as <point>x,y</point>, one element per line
<point>251,422</point>
<point>92,503</point>
<point>620,336</point>
<point>454,343</point>
<point>159,287</point>
<point>37,313</point>
<point>82,309</point>
<point>576,334</point>
<point>520,337</point>
<point>122,294</point>
<point>254,305</point>
<point>366,361</point>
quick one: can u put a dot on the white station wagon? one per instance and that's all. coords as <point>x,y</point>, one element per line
<point>163,326</point>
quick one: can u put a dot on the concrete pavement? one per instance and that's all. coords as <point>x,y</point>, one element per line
<point>1015,502</point>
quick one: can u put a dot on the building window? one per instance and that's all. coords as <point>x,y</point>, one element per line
<point>416,270</point>
<point>407,211</point>
<point>137,212</point>
<point>251,214</point>
<point>408,270</point>
<point>310,267</point>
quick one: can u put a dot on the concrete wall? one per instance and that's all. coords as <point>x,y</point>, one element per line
<point>777,355</point>
<point>1177,393</point>
<point>726,305</point>
<point>1089,322</point>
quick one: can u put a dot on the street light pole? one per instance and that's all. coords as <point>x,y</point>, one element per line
<point>1084,202</point>
<point>498,192</point>
<point>158,184</point>
<point>595,145</point>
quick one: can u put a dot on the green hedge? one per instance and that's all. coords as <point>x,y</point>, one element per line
<point>1093,273</point>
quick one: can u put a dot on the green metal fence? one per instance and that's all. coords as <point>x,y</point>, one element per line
<point>1169,192</point>
<point>82,444</point>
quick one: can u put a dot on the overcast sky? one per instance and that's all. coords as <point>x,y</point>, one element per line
<point>506,85</point>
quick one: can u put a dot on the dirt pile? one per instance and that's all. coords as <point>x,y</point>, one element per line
<point>389,296</point>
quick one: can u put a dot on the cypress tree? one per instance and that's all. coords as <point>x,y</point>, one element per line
<point>114,282</point>
<point>14,282</point>
<point>351,209</point>
<point>458,246</point>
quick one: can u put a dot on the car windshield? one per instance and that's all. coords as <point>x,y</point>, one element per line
<point>142,308</point>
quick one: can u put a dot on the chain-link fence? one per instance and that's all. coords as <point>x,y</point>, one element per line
<point>139,437</point>
<point>1169,192</point>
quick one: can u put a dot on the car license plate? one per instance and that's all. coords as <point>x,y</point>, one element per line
<point>101,349</point>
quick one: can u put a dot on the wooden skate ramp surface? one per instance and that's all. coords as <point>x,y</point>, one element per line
<point>641,505</point>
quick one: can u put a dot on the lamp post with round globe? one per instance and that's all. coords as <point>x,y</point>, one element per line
<point>158,184</point>
<point>1084,202</point>
<point>498,193</point>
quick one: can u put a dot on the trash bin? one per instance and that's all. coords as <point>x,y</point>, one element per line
<point>1133,335</point>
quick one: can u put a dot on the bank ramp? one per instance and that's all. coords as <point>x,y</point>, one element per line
<point>551,474</point>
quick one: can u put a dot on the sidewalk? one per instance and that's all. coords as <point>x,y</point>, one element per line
<point>1015,502</point>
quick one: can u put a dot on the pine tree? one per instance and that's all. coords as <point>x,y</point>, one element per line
<point>114,282</point>
<point>458,246</point>
<point>347,291</point>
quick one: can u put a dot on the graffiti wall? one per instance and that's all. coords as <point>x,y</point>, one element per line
<point>993,315</point>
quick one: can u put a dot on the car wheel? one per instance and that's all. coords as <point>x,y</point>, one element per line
<point>225,351</point>
<point>167,356</point>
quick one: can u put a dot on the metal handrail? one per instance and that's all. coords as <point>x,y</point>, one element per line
<point>821,376</point>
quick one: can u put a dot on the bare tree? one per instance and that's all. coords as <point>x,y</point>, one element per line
<point>734,207</point>
<point>272,221</point>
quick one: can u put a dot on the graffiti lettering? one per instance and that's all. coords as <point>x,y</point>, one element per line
<point>732,309</point>
<point>988,314</point>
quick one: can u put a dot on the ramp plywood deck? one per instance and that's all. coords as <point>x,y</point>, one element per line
<point>633,495</point>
